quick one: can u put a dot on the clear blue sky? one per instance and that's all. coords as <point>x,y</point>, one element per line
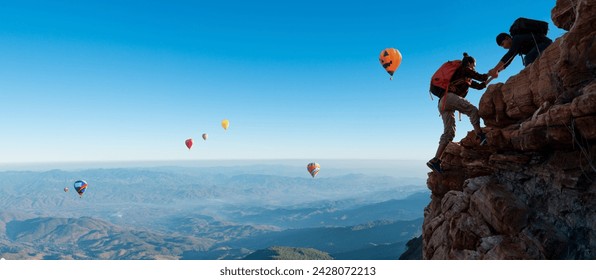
<point>131,80</point>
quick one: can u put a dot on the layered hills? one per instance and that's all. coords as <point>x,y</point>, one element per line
<point>205,213</point>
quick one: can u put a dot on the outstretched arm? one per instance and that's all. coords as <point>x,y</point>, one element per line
<point>475,75</point>
<point>495,71</point>
<point>500,66</point>
<point>508,57</point>
<point>477,85</point>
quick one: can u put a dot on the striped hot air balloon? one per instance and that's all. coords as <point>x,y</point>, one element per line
<point>313,168</point>
<point>80,186</point>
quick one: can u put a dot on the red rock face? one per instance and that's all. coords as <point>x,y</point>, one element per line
<point>531,193</point>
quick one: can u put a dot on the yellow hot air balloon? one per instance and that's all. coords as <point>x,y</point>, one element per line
<point>390,58</point>
<point>225,124</point>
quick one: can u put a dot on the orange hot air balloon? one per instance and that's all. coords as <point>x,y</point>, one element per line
<point>313,168</point>
<point>390,58</point>
<point>188,143</point>
<point>205,136</point>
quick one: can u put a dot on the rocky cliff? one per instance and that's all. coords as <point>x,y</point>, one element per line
<point>531,192</point>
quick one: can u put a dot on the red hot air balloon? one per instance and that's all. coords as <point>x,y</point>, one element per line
<point>188,143</point>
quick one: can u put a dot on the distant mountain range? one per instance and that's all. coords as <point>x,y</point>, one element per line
<point>89,238</point>
<point>288,253</point>
<point>169,213</point>
<point>339,213</point>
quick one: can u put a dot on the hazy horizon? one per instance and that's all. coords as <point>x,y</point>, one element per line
<point>394,168</point>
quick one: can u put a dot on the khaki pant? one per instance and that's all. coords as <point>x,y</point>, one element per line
<point>447,106</point>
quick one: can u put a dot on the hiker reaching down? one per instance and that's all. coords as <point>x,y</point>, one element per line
<point>527,38</point>
<point>524,44</point>
<point>453,100</point>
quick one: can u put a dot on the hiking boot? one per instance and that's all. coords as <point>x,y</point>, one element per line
<point>482,138</point>
<point>435,165</point>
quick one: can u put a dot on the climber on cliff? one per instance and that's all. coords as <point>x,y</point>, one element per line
<point>526,37</point>
<point>454,100</point>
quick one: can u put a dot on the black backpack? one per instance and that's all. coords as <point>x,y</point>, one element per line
<point>527,26</point>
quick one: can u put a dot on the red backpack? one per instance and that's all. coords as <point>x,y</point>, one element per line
<point>439,83</point>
